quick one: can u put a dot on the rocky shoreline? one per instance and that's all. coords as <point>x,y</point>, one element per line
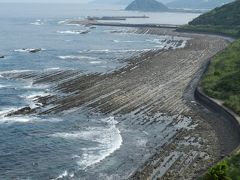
<point>166,133</point>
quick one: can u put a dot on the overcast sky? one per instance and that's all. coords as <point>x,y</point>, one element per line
<point>59,1</point>
<point>47,1</point>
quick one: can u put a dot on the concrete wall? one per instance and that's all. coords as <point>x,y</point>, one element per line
<point>214,106</point>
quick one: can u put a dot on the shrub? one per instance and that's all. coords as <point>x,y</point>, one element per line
<point>218,172</point>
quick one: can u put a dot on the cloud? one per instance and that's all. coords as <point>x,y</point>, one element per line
<point>45,1</point>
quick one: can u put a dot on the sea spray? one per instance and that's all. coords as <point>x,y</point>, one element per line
<point>108,138</point>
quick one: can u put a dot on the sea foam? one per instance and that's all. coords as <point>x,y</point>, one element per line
<point>77,57</point>
<point>108,138</point>
<point>73,32</point>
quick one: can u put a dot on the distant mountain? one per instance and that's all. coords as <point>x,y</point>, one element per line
<point>120,2</point>
<point>146,5</point>
<point>197,4</point>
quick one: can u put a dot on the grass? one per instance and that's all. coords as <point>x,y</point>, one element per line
<point>222,80</point>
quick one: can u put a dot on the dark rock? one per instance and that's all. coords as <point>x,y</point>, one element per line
<point>35,50</point>
<point>22,111</point>
<point>146,5</point>
<point>1,57</point>
<point>85,32</point>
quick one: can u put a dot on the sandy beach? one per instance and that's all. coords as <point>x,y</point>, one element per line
<point>166,133</point>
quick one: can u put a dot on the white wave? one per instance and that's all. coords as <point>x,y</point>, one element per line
<point>3,86</point>
<point>100,50</point>
<point>77,57</point>
<point>113,50</point>
<point>158,41</point>
<point>63,22</point>
<point>159,46</point>
<point>109,139</point>
<point>54,68</point>
<point>37,23</point>
<point>168,42</point>
<point>117,31</point>
<point>14,72</point>
<point>65,174</point>
<point>22,119</point>
<point>30,98</point>
<point>30,85</point>
<point>72,24</point>
<point>183,44</point>
<point>26,119</point>
<point>117,41</point>
<point>37,86</point>
<point>130,50</point>
<point>5,111</point>
<point>15,119</point>
<point>128,41</point>
<point>74,32</point>
<point>96,51</point>
<point>21,50</point>
<point>96,62</point>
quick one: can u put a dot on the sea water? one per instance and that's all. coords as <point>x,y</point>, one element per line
<point>59,146</point>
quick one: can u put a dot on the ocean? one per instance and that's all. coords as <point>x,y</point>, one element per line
<point>59,146</point>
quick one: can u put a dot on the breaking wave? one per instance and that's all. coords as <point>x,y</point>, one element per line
<point>74,32</point>
<point>108,139</point>
<point>77,57</point>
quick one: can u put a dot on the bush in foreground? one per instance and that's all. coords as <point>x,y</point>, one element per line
<point>218,172</point>
<point>228,169</point>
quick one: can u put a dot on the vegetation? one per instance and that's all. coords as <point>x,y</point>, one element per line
<point>222,81</point>
<point>225,170</point>
<point>223,20</point>
<point>227,15</point>
<point>233,31</point>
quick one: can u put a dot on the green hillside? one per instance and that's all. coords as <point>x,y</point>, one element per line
<point>223,20</point>
<point>222,81</point>
<point>227,15</point>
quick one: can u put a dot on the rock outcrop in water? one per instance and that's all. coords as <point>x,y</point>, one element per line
<point>22,111</point>
<point>1,57</point>
<point>30,50</point>
<point>34,50</point>
<point>146,5</point>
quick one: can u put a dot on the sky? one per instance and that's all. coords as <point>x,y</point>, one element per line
<point>57,1</point>
<point>47,1</point>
